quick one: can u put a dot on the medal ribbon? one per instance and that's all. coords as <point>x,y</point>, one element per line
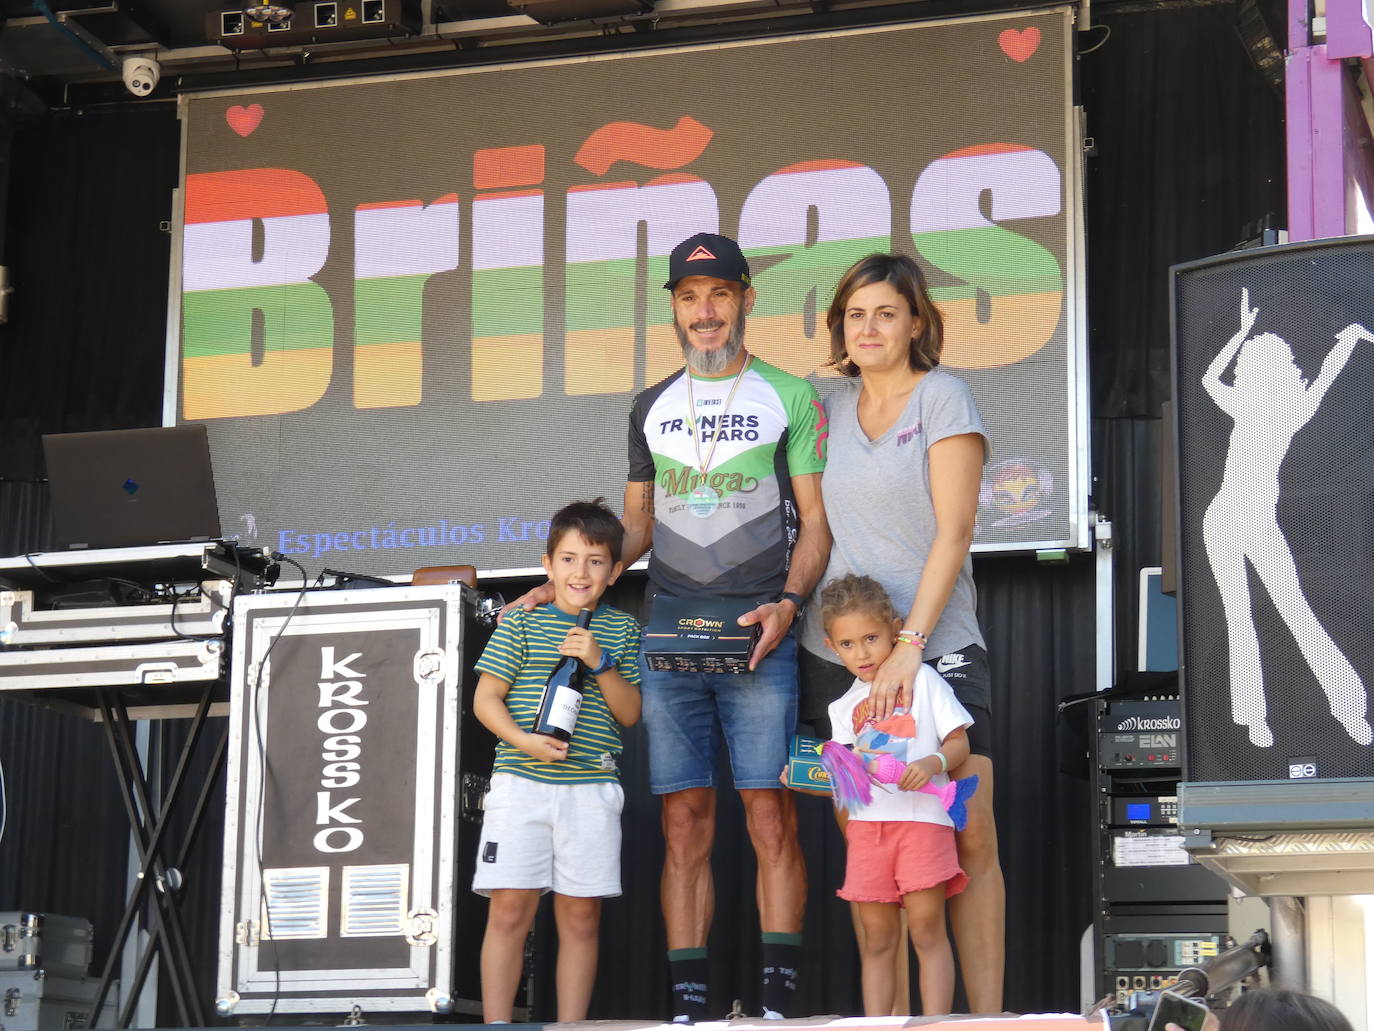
<point>705,467</point>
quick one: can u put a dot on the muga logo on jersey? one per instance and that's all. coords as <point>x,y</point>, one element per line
<point>261,336</point>
<point>682,480</point>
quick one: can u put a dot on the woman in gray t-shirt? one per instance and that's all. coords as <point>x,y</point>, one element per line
<point>906,450</point>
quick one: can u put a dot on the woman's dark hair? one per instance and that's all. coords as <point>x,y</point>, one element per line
<point>908,280</point>
<point>593,520</point>
<point>1278,1009</point>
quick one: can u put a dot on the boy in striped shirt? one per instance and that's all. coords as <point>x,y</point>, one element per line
<point>552,816</point>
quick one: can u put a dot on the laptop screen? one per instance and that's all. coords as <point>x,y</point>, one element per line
<point>127,488</point>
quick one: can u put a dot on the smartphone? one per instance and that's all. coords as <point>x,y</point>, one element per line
<point>1173,1008</point>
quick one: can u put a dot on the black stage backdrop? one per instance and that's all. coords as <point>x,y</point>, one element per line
<point>1189,148</point>
<point>82,351</point>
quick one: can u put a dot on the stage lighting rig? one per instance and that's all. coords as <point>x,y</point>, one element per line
<point>269,13</point>
<point>254,26</point>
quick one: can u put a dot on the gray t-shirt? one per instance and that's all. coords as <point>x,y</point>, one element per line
<point>877,499</point>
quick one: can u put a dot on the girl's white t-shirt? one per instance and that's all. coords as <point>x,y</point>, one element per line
<point>909,735</point>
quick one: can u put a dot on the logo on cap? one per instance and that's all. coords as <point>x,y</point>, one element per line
<point>700,254</point>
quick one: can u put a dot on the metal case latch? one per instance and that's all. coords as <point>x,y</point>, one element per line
<point>429,664</point>
<point>424,927</point>
<point>156,672</point>
<point>246,932</point>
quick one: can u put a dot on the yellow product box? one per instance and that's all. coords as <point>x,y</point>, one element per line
<point>804,769</point>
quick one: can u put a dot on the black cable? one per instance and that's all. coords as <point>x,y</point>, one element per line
<point>28,557</point>
<point>200,589</point>
<point>263,774</point>
<point>1100,43</point>
<point>234,588</point>
<point>173,617</point>
<point>139,591</point>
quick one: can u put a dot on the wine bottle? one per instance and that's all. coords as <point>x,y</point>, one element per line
<point>562,698</point>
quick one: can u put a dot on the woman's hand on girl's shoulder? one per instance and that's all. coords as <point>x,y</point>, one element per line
<point>896,677</point>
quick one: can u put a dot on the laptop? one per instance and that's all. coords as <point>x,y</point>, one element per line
<point>129,488</point>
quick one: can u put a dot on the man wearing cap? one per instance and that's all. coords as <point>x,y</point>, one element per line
<point>724,486</point>
<point>725,464</point>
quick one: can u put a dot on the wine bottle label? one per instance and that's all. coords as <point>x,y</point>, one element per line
<point>563,709</point>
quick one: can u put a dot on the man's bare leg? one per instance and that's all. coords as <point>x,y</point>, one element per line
<point>771,817</point>
<point>687,894</point>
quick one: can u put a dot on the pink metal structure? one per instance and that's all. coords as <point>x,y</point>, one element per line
<point>1329,142</point>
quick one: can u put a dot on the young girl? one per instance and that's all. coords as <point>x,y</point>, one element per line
<point>901,846</point>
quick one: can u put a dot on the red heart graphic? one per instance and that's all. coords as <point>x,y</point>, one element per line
<point>1018,44</point>
<point>243,120</point>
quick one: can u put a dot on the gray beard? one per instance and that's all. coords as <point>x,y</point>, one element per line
<point>712,363</point>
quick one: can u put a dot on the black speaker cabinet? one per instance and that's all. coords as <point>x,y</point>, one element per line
<point>1273,370</point>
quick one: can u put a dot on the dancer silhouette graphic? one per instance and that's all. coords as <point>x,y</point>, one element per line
<point>1269,401</point>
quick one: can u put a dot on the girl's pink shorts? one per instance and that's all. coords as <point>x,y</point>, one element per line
<point>889,859</point>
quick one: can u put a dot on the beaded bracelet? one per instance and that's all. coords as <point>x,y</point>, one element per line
<point>912,637</point>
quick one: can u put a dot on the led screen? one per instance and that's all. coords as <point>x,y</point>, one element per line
<point>414,311</point>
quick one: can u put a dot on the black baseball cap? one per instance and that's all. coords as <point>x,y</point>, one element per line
<point>707,254</point>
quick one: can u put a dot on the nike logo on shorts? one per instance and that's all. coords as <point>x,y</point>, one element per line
<point>952,660</point>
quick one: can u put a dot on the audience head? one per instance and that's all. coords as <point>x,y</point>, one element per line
<point>1279,1009</point>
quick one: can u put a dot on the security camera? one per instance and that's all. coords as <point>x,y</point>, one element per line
<point>141,75</point>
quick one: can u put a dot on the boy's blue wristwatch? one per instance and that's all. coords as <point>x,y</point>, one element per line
<point>607,661</point>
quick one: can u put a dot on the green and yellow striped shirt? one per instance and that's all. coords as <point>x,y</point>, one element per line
<point>523,652</point>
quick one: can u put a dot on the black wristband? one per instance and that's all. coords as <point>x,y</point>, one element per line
<point>794,598</point>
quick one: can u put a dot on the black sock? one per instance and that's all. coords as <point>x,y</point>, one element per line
<point>687,970</point>
<point>781,958</point>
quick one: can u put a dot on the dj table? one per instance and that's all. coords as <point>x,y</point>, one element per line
<point>144,620</point>
<point>123,634</point>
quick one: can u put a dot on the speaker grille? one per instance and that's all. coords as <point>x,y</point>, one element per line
<point>1276,501</point>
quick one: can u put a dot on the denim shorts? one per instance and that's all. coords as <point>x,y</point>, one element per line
<point>687,713</point>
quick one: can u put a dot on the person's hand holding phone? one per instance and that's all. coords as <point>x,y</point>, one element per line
<point>1175,1012</point>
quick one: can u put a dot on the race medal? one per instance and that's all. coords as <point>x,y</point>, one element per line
<point>703,501</point>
